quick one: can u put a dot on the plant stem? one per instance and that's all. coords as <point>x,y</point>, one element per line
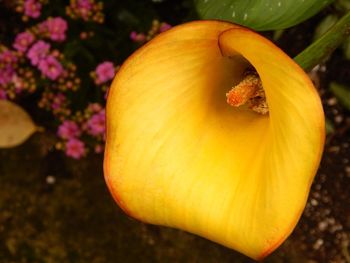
<point>323,47</point>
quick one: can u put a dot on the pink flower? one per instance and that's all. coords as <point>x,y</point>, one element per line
<point>94,107</point>
<point>18,83</point>
<point>32,8</point>
<point>50,67</point>
<point>3,95</point>
<point>98,148</point>
<point>23,41</point>
<point>137,37</point>
<point>6,75</point>
<point>75,148</point>
<point>97,123</point>
<point>55,27</point>
<point>84,8</point>
<point>164,27</point>
<point>8,57</point>
<point>58,101</point>
<point>105,72</point>
<point>68,130</point>
<point>38,52</point>
<point>86,4</point>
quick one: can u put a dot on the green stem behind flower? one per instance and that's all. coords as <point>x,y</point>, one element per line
<point>323,47</point>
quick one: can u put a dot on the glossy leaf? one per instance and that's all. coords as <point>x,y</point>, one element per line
<point>15,124</point>
<point>261,14</point>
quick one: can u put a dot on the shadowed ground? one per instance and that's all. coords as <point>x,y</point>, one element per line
<point>75,219</point>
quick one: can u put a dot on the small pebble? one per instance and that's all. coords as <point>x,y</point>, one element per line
<point>325,199</point>
<point>331,221</point>
<point>332,101</point>
<point>322,225</point>
<point>347,169</point>
<point>318,244</point>
<point>336,228</point>
<point>338,119</point>
<point>317,194</point>
<point>314,202</point>
<point>327,211</point>
<point>50,179</point>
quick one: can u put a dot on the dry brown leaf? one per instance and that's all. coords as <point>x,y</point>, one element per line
<point>16,126</point>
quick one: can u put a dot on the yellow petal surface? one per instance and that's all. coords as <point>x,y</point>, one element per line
<point>178,155</point>
<point>16,126</point>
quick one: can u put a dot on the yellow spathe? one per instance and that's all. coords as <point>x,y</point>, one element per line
<point>178,155</point>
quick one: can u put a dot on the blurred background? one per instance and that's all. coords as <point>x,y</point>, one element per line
<point>57,60</point>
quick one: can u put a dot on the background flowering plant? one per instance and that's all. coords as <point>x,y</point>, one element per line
<point>59,60</point>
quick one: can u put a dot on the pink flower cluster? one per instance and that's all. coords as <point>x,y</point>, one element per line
<point>8,57</point>
<point>55,102</point>
<point>38,52</point>
<point>32,8</point>
<point>104,72</point>
<point>95,121</point>
<point>96,124</point>
<point>58,101</point>
<point>155,29</point>
<point>3,95</point>
<point>91,123</point>
<point>88,10</point>
<point>137,37</point>
<point>13,79</point>
<point>54,28</point>
<point>48,65</point>
<point>75,148</point>
<point>69,131</point>
<point>6,75</point>
<point>164,27</point>
<point>8,62</point>
<point>15,76</point>
<point>23,41</point>
<point>35,58</point>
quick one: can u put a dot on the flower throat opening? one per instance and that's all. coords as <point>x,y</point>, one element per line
<point>249,91</point>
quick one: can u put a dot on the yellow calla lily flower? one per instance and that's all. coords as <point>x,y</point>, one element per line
<point>177,154</point>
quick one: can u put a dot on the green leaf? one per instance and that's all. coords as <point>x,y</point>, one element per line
<point>342,93</point>
<point>322,48</point>
<point>260,14</point>
<point>346,48</point>
<point>342,5</point>
<point>325,25</point>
